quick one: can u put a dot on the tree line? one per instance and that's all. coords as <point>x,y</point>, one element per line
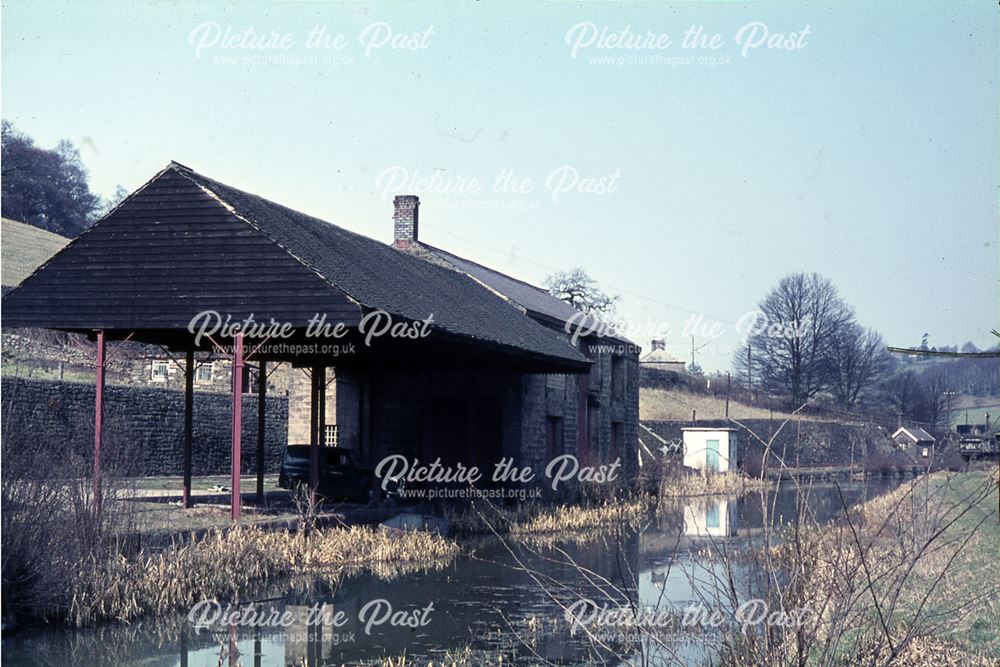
<point>47,188</point>
<point>814,349</point>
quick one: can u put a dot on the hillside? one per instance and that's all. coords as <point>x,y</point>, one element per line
<point>676,405</point>
<point>24,249</point>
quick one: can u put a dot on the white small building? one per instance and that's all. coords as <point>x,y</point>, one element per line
<point>712,449</point>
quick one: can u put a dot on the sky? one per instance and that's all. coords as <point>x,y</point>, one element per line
<point>687,155</point>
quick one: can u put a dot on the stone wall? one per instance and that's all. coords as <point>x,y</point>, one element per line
<point>801,443</point>
<point>144,426</point>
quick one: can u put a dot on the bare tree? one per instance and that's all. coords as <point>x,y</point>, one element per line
<point>579,290</point>
<point>937,386</point>
<point>903,393</point>
<point>792,336</point>
<point>857,359</point>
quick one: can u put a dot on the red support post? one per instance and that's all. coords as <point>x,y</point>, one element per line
<point>98,422</point>
<point>188,426</point>
<point>237,426</point>
<point>261,414</point>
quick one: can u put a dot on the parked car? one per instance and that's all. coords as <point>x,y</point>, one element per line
<point>340,477</point>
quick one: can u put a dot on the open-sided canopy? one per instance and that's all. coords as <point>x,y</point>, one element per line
<point>184,243</point>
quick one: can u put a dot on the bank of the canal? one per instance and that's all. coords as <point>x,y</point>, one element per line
<point>497,597</point>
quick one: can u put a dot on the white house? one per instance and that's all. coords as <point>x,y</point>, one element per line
<point>713,449</point>
<point>915,438</point>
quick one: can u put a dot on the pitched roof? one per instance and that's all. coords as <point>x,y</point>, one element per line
<point>915,433</point>
<point>538,302</point>
<point>661,357</point>
<point>184,243</point>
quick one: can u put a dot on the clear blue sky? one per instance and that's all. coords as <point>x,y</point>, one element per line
<point>869,154</point>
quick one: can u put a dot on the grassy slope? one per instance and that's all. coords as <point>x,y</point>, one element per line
<point>25,248</point>
<point>978,568</point>
<point>676,405</point>
<point>974,571</point>
<point>975,408</point>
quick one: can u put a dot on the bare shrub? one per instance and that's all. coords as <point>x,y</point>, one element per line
<point>895,580</point>
<point>48,521</point>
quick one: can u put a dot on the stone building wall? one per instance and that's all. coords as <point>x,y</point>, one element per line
<point>386,413</point>
<point>553,402</point>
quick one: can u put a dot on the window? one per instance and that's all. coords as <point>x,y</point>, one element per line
<point>617,377</point>
<point>330,435</point>
<point>617,428</point>
<point>926,452</point>
<point>553,437</point>
<point>203,372</point>
<point>160,370</point>
<point>593,429</point>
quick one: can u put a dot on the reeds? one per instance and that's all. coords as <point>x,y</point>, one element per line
<point>226,563</point>
<point>537,518</point>
<point>684,484</point>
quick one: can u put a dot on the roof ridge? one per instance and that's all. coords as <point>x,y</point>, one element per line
<point>232,209</point>
<point>606,327</point>
<point>488,268</point>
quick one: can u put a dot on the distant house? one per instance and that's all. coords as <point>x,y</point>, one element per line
<point>659,359</point>
<point>710,449</point>
<point>915,439</point>
<point>658,369</point>
<point>973,430</point>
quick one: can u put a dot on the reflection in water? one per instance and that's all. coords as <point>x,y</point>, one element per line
<point>477,601</point>
<point>710,517</point>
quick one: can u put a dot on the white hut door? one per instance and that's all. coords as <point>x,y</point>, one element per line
<point>712,455</point>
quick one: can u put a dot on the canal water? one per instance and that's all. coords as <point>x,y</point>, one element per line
<point>497,597</point>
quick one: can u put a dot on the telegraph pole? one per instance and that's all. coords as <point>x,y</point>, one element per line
<point>728,378</point>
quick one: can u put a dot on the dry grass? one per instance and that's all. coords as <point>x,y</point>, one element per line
<point>25,248</point>
<point>917,565</point>
<point>667,405</point>
<point>684,484</point>
<point>538,519</point>
<point>569,518</point>
<point>464,657</point>
<point>225,564</point>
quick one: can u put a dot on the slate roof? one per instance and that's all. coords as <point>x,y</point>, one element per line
<point>538,302</point>
<point>659,357</point>
<point>915,433</point>
<point>168,251</point>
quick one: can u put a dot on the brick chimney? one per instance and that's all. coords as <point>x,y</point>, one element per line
<point>404,221</point>
<point>659,344</point>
